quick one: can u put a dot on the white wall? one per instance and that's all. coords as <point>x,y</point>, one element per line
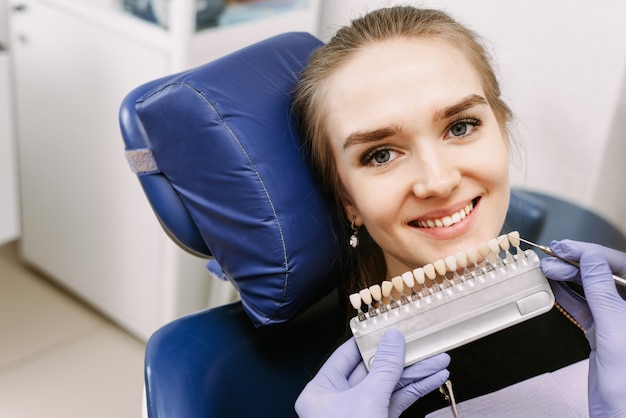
<point>562,66</point>
<point>4,22</point>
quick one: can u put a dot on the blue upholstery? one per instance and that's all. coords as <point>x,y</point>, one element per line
<point>209,131</point>
<point>228,180</point>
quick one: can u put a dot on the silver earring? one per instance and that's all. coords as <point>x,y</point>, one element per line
<point>354,239</point>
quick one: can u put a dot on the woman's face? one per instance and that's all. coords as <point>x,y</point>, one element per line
<point>423,161</point>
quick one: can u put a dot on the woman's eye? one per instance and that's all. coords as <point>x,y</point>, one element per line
<point>463,127</point>
<point>379,157</point>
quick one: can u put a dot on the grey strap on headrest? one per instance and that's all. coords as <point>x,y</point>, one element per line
<point>142,161</point>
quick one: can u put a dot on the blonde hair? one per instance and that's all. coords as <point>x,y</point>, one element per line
<point>365,265</point>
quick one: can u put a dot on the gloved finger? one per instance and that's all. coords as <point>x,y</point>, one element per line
<point>559,270</point>
<point>406,396</point>
<point>573,304</point>
<point>616,260</point>
<point>424,368</point>
<point>598,281</point>
<point>388,362</point>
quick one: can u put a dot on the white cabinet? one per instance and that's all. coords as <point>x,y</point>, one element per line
<point>86,223</point>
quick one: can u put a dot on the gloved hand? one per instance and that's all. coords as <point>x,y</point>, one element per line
<point>602,315</point>
<point>344,388</point>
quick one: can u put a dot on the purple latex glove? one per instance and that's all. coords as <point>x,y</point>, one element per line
<point>344,388</point>
<point>602,315</point>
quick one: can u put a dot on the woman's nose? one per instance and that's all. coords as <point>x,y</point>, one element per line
<point>436,175</point>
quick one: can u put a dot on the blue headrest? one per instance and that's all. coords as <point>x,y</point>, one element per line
<point>219,156</point>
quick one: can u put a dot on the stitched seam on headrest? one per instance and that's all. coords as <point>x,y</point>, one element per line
<point>271,203</point>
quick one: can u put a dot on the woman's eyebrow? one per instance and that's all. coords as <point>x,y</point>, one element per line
<point>363,137</point>
<point>461,106</point>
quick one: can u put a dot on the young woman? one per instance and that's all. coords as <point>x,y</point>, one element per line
<point>402,115</point>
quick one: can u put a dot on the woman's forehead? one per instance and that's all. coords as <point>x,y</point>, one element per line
<point>395,78</point>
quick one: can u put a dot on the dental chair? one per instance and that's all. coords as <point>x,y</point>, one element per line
<point>218,155</point>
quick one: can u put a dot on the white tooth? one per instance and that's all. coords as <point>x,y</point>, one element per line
<point>503,241</point>
<point>429,270</point>
<point>408,279</point>
<point>483,249</point>
<point>355,300</point>
<point>468,209</point>
<point>462,213</point>
<point>419,275</point>
<point>440,267</point>
<point>461,259</point>
<point>514,238</point>
<point>451,262</point>
<point>456,218</point>
<point>447,221</point>
<point>421,224</point>
<point>438,223</point>
<point>397,283</point>
<point>431,223</point>
<point>472,254</point>
<point>386,288</point>
<point>493,245</point>
<point>376,292</point>
<point>366,296</point>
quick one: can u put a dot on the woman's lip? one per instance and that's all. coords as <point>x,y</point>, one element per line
<point>441,213</point>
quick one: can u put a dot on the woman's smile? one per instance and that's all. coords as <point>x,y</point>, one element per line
<point>450,217</point>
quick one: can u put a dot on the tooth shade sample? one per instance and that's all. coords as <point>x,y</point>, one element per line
<point>355,301</point>
<point>461,259</point>
<point>493,245</point>
<point>514,238</point>
<point>503,240</point>
<point>397,283</point>
<point>386,288</point>
<point>429,270</point>
<point>440,267</point>
<point>376,292</point>
<point>451,263</point>
<point>472,254</point>
<point>408,279</point>
<point>483,249</point>
<point>366,296</point>
<point>418,273</point>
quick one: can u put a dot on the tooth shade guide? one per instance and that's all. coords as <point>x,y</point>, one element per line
<point>449,275</point>
<point>441,318</point>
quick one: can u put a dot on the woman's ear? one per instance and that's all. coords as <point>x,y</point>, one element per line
<point>352,214</point>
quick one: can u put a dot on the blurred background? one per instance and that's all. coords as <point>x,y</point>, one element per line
<point>87,274</point>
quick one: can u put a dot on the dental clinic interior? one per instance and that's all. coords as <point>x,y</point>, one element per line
<point>87,272</point>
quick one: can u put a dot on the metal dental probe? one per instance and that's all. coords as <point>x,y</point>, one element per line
<point>618,280</point>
